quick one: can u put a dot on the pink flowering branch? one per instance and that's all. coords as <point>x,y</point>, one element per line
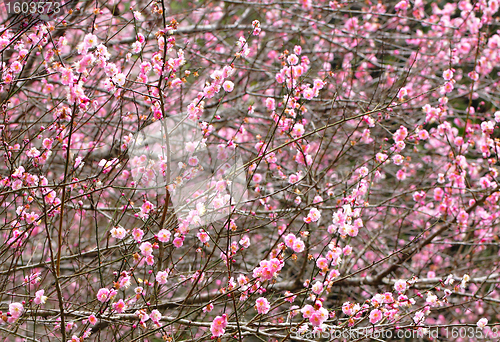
<point>186,171</point>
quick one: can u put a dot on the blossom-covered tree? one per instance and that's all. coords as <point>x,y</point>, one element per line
<point>249,170</point>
